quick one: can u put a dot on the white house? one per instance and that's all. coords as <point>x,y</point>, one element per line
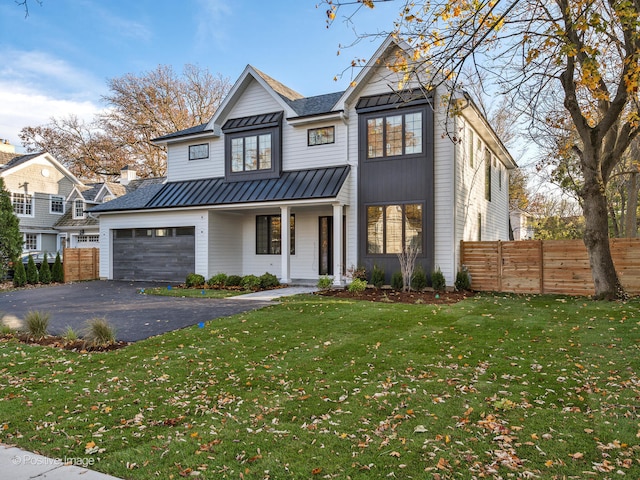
<point>308,186</point>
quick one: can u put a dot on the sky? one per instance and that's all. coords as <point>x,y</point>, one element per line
<point>56,61</point>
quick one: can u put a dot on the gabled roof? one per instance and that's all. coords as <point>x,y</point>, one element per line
<point>185,133</point>
<point>5,157</point>
<point>139,192</point>
<point>310,106</point>
<point>318,183</point>
<point>21,160</point>
<point>68,221</point>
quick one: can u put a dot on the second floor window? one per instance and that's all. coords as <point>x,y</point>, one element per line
<point>251,152</point>
<point>197,152</point>
<point>22,204</point>
<point>78,209</point>
<point>393,135</point>
<point>56,204</point>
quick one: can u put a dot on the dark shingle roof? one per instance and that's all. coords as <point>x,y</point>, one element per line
<point>5,157</point>
<point>292,185</point>
<point>17,160</point>
<point>186,132</point>
<point>317,105</point>
<point>67,220</point>
<point>141,191</point>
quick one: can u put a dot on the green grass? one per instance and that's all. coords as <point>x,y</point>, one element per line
<point>193,292</point>
<point>318,387</point>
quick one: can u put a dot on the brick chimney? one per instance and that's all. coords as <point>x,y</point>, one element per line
<point>127,175</point>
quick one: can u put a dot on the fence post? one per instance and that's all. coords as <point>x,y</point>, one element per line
<point>500,260</point>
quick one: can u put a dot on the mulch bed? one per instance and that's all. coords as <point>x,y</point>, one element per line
<point>395,296</point>
<point>79,345</point>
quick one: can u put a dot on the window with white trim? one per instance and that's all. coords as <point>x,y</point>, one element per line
<point>78,208</point>
<point>30,241</point>
<point>56,204</point>
<point>88,238</point>
<point>22,204</point>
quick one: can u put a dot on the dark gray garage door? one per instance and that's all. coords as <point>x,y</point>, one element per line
<point>163,254</point>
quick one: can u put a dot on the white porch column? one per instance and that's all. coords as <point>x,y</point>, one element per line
<point>285,245</point>
<point>338,254</point>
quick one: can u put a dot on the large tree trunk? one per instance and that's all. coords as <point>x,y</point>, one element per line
<point>596,238</point>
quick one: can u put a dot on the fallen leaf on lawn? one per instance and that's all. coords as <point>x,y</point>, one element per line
<point>420,429</point>
<point>395,454</point>
<point>577,455</point>
<point>316,471</point>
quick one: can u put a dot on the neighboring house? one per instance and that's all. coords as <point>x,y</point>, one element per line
<point>308,186</point>
<point>521,224</point>
<point>39,186</point>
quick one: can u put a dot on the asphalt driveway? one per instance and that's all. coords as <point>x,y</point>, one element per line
<point>133,315</point>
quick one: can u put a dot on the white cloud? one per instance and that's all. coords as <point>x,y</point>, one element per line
<point>210,22</point>
<point>35,86</point>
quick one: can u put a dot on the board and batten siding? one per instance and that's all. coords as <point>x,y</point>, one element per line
<point>194,218</point>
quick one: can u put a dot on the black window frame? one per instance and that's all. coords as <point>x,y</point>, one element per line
<point>191,158</point>
<point>487,174</point>
<point>315,142</point>
<point>384,114</point>
<point>384,207</point>
<point>269,250</point>
<point>254,126</point>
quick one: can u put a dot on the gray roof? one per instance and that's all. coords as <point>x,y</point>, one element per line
<point>184,133</point>
<point>292,185</point>
<point>20,159</point>
<point>140,191</point>
<point>309,106</point>
<point>6,157</point>
<point>67,220</point>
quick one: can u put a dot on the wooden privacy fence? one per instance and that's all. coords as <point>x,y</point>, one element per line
<point>81,264</point>
<point>545,266</point>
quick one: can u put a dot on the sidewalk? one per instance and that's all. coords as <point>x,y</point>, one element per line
<point>275,293</point>
<point>18,464</point>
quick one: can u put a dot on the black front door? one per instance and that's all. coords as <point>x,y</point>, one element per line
<point>326,245</point>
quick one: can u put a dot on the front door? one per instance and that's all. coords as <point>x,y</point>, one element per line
<point>326,245</point>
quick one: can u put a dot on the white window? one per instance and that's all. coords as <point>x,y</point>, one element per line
<point>78,208</point>
<point>88,238</point>
<point>22,204</point>
<point>30,241</point>
<point>56,204</point>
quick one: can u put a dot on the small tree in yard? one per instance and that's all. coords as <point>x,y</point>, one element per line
<point>57,272</point>
<point>19,275</point>
<point>407,260</point>
<point>45,271</point>
<point>32,271</point>
<point>10,236</point>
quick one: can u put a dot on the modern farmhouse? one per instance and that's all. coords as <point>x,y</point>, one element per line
<point>308,186</point>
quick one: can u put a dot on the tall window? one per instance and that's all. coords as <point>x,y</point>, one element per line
<point>487,174</point>
<point>250,153</point>
<point>56,204</point>
<point>268,235</point>
<point>30,241</point>
<point>394,135</point>
<point>22,204</point>
<point>78,208</point>
<point>390,227</point>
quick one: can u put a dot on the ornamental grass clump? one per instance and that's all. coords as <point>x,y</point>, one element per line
<point>99,332</point>
<point>37,324</point>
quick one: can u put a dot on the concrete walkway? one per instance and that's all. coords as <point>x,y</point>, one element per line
<point>18,464</point>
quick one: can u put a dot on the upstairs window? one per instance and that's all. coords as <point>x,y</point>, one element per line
<point>199,152</point>
<point>22,204</point>
<point>56,204</point>
<point>393,135</point>
<point>78,208</point>
<point>252,147</point>
<point>250,153</point>
<point>321,136</point>
<point>487,174</point>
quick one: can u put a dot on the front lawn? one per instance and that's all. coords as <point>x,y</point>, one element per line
<point>192,292</point>
<point>320,387</point>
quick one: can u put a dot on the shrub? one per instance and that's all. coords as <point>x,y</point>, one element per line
<point>359,273</point>
<point>194,280</point>
<point>377,276</point>
<point>250,282</point>
<point>419,279</point>
<point>437,280</point>
<point>396,281</point>
<point>219,280</point>
<point>45,271</point>
<point>57,272</point>
<point>99,332</point>
<point>463,280</point>
<point>234,281</point>
<point>70,335</point>
<point>325,282</point>
<point>269,280</point>
<point>357,285</point>
<point>32,271</point>
<point>37,323</point>
<point>19,275</point>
